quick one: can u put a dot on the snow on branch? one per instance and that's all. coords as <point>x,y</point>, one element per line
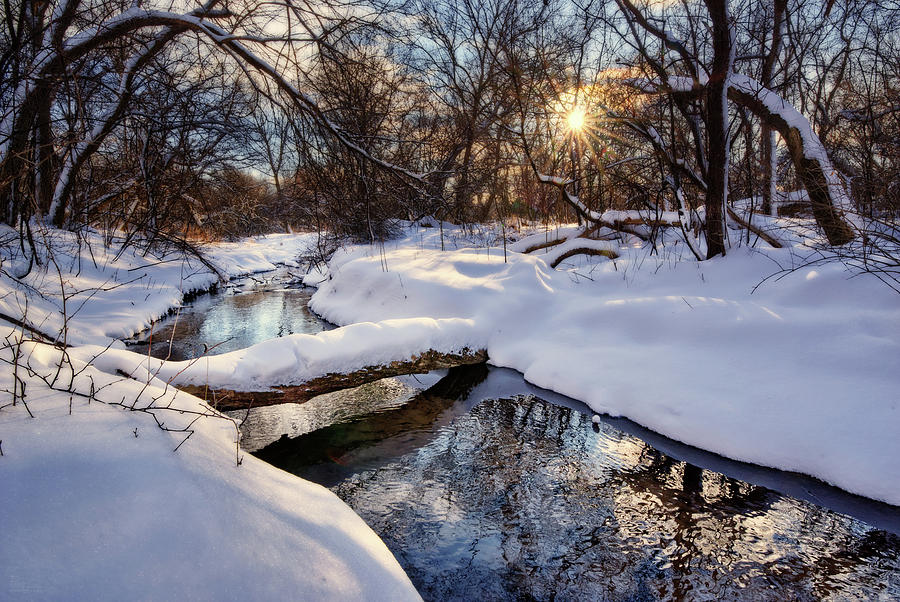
<point>831,203</point>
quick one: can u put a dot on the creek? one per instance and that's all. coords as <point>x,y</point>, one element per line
<point>486,487</point>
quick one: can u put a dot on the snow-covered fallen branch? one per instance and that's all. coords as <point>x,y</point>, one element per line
<point>420,363</point>
<point>301,358</point>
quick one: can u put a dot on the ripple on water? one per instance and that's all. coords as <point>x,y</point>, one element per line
<point>520,498</point>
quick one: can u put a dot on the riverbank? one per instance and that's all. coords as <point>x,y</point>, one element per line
<point>797,373</point>
<point>96,505</point>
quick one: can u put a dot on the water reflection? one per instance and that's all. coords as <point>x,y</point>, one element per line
<point>244,314</point>
<point>518,498</point>
<point>336,450</point>
<point>501,494</point>
<point>263,426</point>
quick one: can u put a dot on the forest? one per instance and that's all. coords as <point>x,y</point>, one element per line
<point>449,299</point>
<point>240,117</point>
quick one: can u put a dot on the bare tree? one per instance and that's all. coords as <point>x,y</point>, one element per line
<point>52,47</point>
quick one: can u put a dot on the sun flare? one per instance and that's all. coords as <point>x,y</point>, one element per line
<point>575,118</point>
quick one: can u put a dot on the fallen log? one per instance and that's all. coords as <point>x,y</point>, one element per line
<point>639,221</point>
<point>755,229</point>
<point>626,225</point>
<point>545,245</point>
<point>608,253</point>
<point>591,233</point>
<point>227,399</point>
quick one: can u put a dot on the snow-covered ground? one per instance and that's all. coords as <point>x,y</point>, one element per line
<point>95,503</point>
<point>799,373</point>
<point>106,296</point>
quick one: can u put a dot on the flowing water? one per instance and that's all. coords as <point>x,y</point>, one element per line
<point>485,487</point>
<point>243,313</point>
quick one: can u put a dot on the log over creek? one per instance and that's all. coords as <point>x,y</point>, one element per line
<point>486,487</point>
<point>228,399</point>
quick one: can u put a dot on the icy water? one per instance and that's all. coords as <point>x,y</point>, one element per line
<point>486,488</point>
<point>501,494</point>
<point>243,313</point>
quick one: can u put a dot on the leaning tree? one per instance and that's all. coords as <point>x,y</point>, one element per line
<point>52,53</point>
<point>701,72</point>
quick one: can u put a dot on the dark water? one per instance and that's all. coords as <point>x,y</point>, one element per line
<point>486,488</point>
<point>485,496</point>
<point>244,313</point>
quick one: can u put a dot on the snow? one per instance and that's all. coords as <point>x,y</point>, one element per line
<point>96,505</point>
<point>799,375</point>
<point>553,254</point>
<point>298,358</point>
<point>555,180</point>
<point>108,297</point>
<point>779,198</point>
<point>547,236</point>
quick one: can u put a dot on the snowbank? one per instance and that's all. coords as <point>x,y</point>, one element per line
<point>108,296</point>
<point>298,358</point>
<point>799,375</point>
<point>96,505</point>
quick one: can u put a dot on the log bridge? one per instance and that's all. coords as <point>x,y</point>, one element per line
<point>228,399</point>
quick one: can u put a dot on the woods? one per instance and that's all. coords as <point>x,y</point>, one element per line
<point>241,117</point>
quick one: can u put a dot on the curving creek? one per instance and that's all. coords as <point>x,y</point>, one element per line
<point>485,487</point>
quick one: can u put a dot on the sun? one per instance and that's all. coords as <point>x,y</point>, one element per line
<point>575,119</point>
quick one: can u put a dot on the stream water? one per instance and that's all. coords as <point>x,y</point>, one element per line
<point>242,313</point>
<point>485,487</point>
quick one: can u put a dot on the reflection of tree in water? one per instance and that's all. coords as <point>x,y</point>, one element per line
<point>231,322</point>
<point>254,316</point>
<point>727,537</point>
<point>322,455</point>
<point>166,340</point>
<point>521,499</point>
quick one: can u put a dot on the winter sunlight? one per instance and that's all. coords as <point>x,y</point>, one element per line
<point>449,300</point>
<point>576,119</point>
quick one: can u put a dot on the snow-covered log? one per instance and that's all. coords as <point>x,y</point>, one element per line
<point>581,246</point>
<point>828,198</point>
<point>230,399</point>
<point>612,219</point>
<point>297,367</point>
<point>545,245</point>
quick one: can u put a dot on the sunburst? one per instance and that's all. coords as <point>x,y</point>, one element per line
<point>576,119</point>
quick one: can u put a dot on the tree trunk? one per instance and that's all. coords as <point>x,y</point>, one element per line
<point>769,165</point>
<point>826,192</point>
<point>717,123</point>
<point>769,157</point>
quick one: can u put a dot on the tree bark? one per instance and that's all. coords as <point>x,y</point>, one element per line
<point>717,124</point>
<point>226,399</point>
<point>769,158</point>
<point>815,171</point>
